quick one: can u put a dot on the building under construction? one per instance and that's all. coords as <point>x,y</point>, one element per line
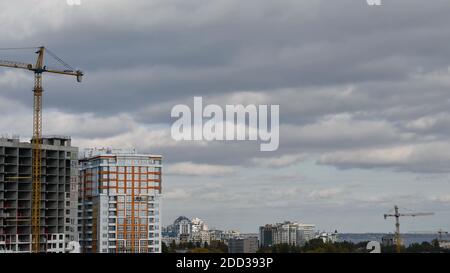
<point>59,182</point>
<point>120,202</point>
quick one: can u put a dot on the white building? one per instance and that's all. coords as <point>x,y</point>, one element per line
<point>231,234</point>
<point>327,237</point>
<point>198,225</point>
<point>215,235</point>
<point>200,231</point>
<point>120,195</point>
<point>201,236</point>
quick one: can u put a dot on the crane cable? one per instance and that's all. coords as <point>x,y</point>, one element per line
<point>66,65</point>
<point>17,48</point>
<point>58,59</point>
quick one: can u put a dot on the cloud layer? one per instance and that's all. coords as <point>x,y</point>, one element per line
<point>359,88</point>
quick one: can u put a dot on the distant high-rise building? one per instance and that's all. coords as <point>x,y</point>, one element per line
<point>120,202</point>
<point>266,235</point>
<point>58,194</point>
<point>200,231</point>
<point>294,234</point>
<point>185,230</point>
<point>182,226</point>
<point>243,245</point>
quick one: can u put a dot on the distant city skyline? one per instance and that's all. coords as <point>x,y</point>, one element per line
<point>364,96</point>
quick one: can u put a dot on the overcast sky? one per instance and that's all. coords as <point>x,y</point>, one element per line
<point>364,95</point>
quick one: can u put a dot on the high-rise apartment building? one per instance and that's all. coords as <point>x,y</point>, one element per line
<point>58,194</point>
<point>119,202</point>
<point>295,234</point>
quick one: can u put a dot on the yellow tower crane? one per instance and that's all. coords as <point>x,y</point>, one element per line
<point>397,216</point>
<point>38,69</point>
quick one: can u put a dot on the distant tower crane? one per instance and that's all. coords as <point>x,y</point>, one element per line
<point>397,216</point>
<point>38,69</point>
<point>441,233</point>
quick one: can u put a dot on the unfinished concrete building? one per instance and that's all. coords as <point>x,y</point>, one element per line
<point>120,202</point>
<point>58,194</point>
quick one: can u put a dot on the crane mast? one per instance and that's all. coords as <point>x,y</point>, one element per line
<point>37,154</point>
<point>39,68</point>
